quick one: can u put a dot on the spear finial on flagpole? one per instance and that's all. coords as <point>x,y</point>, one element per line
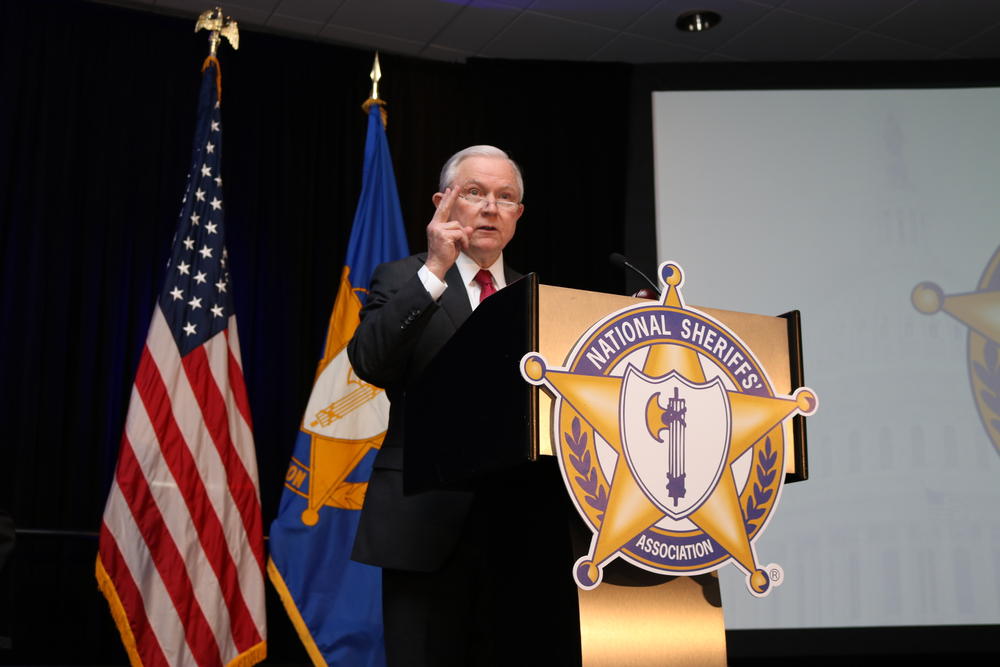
<point>218,27</point>
<point>375,75</point>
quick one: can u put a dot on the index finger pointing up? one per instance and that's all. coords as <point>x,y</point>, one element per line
<point>443,212</point>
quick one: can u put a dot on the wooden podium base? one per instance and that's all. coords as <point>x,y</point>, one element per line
<point>670,623</point>
<point>637,618</point>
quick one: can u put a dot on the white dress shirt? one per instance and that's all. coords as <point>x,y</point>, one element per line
<point>468,269</point>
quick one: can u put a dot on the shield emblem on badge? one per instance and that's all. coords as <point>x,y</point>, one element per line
<point>675,437</point>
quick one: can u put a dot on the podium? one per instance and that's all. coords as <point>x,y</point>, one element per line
<point>633,617</point>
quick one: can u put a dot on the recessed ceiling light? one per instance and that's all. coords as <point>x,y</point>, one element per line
<point>697,20</point>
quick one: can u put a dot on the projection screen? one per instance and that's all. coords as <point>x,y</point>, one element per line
<point>838,203</point>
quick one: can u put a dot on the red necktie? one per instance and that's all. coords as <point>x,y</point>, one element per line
<point>485,280</point>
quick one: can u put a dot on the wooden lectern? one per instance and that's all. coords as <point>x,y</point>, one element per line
<point>634,617</point>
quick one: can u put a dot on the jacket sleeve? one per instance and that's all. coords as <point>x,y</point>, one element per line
<point>392,321</point>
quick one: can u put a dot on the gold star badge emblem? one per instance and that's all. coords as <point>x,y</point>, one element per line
<point>667,387</point>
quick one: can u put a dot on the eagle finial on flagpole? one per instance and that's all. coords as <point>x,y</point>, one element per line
<point>218,27</point>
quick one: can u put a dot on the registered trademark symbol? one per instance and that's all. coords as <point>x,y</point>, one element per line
<point>775,574</point>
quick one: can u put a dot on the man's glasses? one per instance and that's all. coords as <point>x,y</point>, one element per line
<point>502,204</point>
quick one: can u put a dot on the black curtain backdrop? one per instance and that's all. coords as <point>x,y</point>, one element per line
<point>96,122</point>
<point>97,110</point>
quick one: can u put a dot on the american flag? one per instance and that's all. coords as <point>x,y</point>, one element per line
<point>181,548</point>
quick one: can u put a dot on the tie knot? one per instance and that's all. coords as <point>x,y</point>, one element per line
<point>485,280</point>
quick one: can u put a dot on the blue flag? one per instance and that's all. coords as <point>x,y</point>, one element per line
<point>335,603</point>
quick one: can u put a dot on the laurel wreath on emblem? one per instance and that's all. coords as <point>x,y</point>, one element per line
<point>596,494</point>
<point>766,472</point>
<point>989,375</point>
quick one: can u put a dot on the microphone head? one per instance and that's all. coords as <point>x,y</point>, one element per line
<point>617,259</point>
<point>647,293</point>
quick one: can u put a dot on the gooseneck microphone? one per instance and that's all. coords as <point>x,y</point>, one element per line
<point>617,259</point>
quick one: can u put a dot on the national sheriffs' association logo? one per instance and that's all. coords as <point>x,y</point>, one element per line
<point>670,440</point>
<point>980,311</point>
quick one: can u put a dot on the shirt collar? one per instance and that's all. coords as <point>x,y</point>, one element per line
<point>468,268</point>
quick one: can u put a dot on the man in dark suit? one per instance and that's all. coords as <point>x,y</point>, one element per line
<point>436,593</point>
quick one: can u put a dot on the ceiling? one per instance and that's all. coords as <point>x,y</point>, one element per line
<point>633,31</point>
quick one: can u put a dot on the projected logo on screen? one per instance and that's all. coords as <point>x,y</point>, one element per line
<point>670,440</point>
<point>980,311</point>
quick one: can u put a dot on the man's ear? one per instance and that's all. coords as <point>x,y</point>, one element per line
<point>436,198</point>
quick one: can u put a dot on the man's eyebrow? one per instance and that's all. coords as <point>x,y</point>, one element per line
<point>472,181</point>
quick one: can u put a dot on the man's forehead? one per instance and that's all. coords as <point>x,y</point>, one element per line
<point>478,169</point>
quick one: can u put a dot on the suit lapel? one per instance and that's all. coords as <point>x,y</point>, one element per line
<point>510,275</point>
<point>455,300</point>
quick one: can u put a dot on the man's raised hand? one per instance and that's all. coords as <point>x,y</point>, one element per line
<point>446,237</point>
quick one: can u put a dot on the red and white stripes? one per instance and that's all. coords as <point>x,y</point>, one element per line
<point>181,551</point>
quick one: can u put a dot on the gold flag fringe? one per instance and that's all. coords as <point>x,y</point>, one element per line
<point>107,587</point>
<point>251,656</point>
<point>294,615</point>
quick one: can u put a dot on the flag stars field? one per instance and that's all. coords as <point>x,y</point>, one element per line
<point>202,281</point>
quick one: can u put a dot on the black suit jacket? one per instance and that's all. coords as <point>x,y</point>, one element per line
<point>401,330</point>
